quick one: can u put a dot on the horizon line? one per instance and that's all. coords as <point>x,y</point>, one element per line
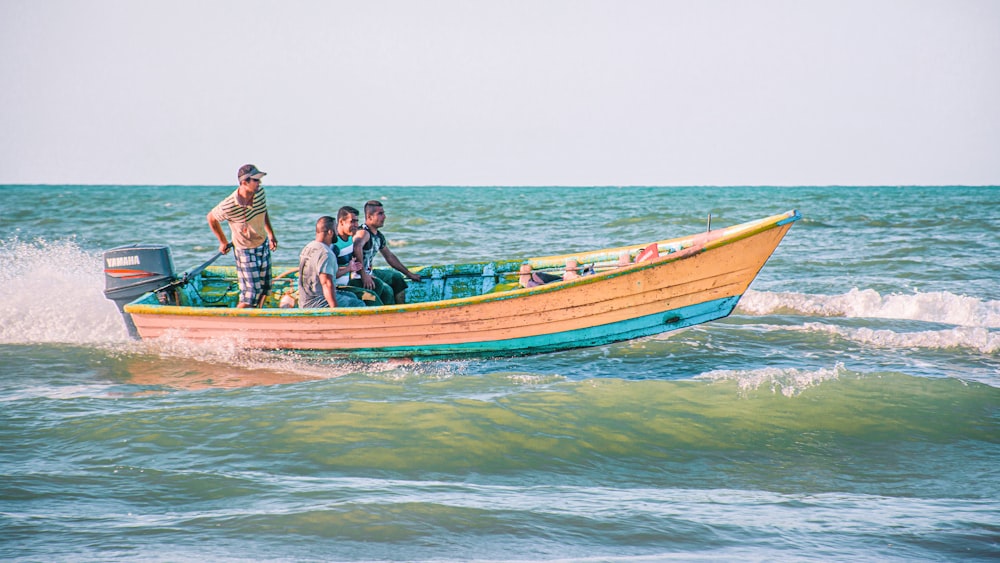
<point>2,185</point>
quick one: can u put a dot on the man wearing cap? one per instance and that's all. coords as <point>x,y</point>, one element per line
<point>253,238</point>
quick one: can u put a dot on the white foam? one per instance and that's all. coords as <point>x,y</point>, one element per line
<point>938,306</point>
<point>976,338</point>
<point>231,352</point>
<point>787,381</point>
<point>57,392</point>
<point>53,292</point>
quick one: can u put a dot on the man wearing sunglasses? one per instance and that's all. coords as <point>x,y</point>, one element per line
<point>253,238</point>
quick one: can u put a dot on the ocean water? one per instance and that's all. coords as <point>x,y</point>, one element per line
<point>849,409</point>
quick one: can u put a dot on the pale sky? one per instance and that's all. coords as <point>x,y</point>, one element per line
<point>562,92</point>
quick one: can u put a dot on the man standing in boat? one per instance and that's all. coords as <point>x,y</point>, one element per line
<point>367,242</point>
<point>253,238</point>
<point>318,271</point>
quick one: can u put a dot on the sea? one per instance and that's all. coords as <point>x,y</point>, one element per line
<point>848,410</point>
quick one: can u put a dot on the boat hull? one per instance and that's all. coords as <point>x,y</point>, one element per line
<point>701,280</point>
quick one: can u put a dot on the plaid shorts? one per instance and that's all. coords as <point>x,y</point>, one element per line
<point>253,268</point>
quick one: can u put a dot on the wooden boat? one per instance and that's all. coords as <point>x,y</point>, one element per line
<point>481,308</point>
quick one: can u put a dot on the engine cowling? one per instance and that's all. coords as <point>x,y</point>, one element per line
<point>132,270</point>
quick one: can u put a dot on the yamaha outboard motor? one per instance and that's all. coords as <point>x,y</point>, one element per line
<point>133,270</point>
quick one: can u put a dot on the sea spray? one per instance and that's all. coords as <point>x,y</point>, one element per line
<point>53,294</point>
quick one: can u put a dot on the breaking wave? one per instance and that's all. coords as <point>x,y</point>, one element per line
<point>788,381</point>
<point>937,307</point>
<point>975,338</point>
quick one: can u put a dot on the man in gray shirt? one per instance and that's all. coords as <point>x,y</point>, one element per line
<point>318,271</point>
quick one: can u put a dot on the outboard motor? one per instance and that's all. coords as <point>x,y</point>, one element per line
<point>133,270</point>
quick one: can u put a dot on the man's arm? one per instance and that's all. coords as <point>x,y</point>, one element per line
<point>360,238</point>
<point>391,259</point>
<point>352,266</point>
<point>270,231</point>
<point>216,227</point>
<point>326,280</point>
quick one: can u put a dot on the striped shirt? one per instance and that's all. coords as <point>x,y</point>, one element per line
<point>344,250</point>
<point>245,223</point>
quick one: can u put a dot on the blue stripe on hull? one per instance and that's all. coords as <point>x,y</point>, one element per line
<point>593,336</point>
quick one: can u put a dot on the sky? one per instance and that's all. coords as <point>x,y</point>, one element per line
<point>536,92</point>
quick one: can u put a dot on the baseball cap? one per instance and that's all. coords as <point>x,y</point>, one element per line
<point>249,171</point>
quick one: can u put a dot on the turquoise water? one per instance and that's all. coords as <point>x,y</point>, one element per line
<point>849,409</point>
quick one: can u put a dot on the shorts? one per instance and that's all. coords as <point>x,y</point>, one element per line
<point>367,298</point>
<point>393,279</point>
<point>382,291</point>
<point>253,270</point>
<point>348,299</point>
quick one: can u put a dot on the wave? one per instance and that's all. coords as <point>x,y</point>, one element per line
<point>938,306</point>
<point>975,338</point>
<point>786,381</point>
<point>422,423</point>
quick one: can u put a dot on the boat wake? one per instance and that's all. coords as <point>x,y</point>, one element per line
<point>54,293</point>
